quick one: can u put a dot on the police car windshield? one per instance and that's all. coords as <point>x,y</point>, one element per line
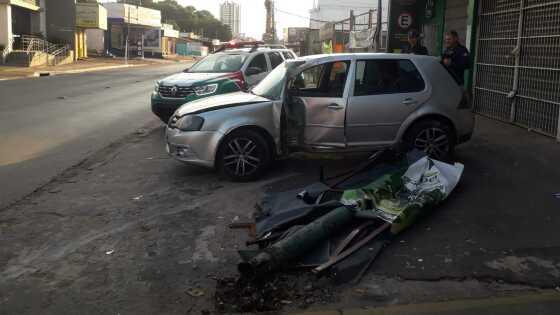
<point>219,63</point>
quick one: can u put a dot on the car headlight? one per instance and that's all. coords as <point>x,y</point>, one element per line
<point>206,89</point>
<point>190,123</point>
<point>156,87</point>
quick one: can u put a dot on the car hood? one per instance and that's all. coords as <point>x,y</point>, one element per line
<point>220,101</point>
<point>189,78</point>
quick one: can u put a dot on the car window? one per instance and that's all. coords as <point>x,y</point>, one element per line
<point>308,79</point>
<point>287,55</point>
<point>387,77</point>
<point>259,61</point>
<point>219,63</point>
<point>275,59</point>
<point>326,80</point>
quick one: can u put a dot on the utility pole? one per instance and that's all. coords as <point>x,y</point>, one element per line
<point>379,26</point>
<point>127,34</point>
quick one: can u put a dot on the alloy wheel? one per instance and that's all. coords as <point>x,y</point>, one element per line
<point>242,157</point>
<point>433,141</point>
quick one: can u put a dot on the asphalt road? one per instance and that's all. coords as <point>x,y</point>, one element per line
<point>51,123</point>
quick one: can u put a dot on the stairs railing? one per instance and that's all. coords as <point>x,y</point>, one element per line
<point>4,53</point>
<point>36,44</point>
<point>61,53</point>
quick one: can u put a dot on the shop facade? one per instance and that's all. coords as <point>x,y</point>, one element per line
<point>169,37</point>
<point>132,30</point>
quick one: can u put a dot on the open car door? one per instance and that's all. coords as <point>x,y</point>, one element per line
<point>316,111</point>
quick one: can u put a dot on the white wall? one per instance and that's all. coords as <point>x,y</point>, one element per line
<point>95,40</point>
<point>456,15</point>
<point>5,24</point>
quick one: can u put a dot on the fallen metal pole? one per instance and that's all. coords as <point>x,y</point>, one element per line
<point>299,243</point>
<point>350,238</point>
<point>352,249</point>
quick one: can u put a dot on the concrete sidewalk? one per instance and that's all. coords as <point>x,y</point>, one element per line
<point>86,65</point>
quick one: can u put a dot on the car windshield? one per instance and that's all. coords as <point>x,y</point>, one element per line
<point>219,63</point>
<point>271,86</point>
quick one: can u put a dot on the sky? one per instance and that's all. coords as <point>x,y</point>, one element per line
<point>253,14</point>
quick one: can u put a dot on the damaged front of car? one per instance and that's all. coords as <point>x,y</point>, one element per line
<point>237,133</point>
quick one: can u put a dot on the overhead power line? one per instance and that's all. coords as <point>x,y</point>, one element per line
<point>303,17</point>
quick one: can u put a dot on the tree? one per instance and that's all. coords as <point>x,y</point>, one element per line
<point>188,19</point>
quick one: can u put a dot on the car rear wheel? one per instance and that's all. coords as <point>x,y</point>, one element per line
<point>244,155</point>
<point>433,137</point>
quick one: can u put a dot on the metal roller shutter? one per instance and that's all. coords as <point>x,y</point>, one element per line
<point>517,75</point>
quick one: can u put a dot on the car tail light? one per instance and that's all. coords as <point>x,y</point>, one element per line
<point>239,79</point>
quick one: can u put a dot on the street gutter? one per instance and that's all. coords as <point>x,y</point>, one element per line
<point>50,73</point>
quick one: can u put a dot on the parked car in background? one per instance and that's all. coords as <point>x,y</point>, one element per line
<point>233,69</point>
<point>326,103</point>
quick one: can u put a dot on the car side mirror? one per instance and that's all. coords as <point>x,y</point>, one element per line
<point>253,71</point>
<point>186,69</point>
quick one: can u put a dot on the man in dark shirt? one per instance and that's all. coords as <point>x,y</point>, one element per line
<point>456,56</point>
<point>414,46</point>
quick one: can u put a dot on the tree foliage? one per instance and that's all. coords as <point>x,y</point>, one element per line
<point>188,19</point>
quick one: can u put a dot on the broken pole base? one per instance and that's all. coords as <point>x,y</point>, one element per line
<point>299,243</point>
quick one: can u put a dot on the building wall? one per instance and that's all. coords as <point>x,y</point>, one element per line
<point>95,39</point>
<point>61,21</point>
<point>5,24</point>
<point>336,10</point>
<point>21,19</point>
<point>230,15</point>
<point>456,15</point>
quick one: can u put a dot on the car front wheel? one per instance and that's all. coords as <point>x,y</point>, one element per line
<point>433,137</point>
<point>244,155</point>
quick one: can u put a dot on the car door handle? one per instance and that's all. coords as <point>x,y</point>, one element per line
<point>335,107</point>
<point>409,101</point>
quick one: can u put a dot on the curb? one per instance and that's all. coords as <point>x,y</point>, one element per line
<point>47,73</point>
<point>92,69</point>
<point>492,305</point>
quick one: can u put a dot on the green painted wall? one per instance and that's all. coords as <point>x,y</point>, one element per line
<point>439,21</point>
<point>472,27</point>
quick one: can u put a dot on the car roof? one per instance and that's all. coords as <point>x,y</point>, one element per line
<point>248,50</point>
<point>343,56</point>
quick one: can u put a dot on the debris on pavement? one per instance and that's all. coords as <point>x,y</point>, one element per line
<point>109,252</point>
<point>337,230</point>
<point>270,293</point>
<point>137,197</point>
<point>195,292</point>
<point>290,225</point>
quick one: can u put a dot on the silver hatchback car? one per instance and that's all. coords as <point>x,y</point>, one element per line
<point>325,103</point>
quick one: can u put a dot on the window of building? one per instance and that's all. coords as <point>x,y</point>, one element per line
<point>387,77</point>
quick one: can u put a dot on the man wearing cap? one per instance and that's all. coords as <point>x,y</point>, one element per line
<point>414,46</point>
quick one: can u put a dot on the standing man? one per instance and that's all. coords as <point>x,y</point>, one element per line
<point>414,46</point>
<point>456,56</point>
